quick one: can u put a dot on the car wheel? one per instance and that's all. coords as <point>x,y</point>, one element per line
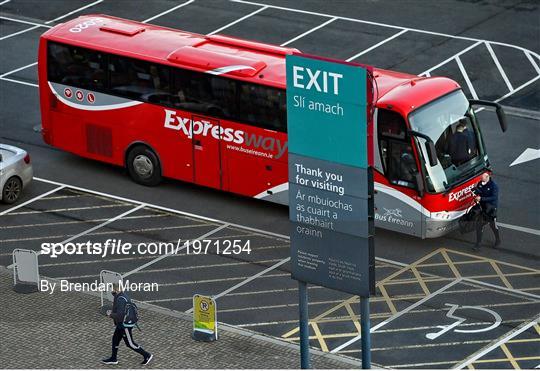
<point>12,190</point>
<point>143,166</point>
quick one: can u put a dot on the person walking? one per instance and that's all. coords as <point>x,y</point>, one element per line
<point>486,195</point>
<point>118,313</point>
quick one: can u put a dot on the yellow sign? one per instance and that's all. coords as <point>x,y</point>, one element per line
<point>204,318</point>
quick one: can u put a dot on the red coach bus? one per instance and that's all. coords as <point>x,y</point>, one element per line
<point>212,110</point>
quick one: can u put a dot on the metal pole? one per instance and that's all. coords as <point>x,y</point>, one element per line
<point>304,325</point>
<point>366,335</point>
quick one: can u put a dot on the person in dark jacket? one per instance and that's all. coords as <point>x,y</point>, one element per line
<point>459,146</point>
<point>486,195</point>
<point>121,332</point>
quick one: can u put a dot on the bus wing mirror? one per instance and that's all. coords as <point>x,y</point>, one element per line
<point>432,153</point>
<point>430,147</point>
<point>498,110</point>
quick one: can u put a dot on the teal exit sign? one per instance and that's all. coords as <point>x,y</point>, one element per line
<point>327,110</point>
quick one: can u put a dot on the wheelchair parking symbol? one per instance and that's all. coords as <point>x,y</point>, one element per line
<point>460,320</point>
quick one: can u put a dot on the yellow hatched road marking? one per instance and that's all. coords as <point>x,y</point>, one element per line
<point>420,280</point>
<point>353,317</point>
<point>319,336</point>
<point>510,357</point>
<point>389,301</point>
<point>500,274</point>
<point>444,253</point>
<point>506,360</point>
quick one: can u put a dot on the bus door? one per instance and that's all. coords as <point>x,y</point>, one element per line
<point>206,152</point>
<point>397,204</point>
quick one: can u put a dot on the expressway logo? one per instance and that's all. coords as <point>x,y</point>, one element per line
<point>189,127</point>
<point>462,194</point>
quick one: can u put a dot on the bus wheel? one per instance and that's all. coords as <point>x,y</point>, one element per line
<point>12,190</point>
<point>143,166</point>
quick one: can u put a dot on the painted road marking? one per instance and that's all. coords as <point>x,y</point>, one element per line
<point>167,11</point>
<point>247,280</point>
<point>529,154</point>
<point>175,269</point>
<point>460,320</point>
<point>52,20</point>
<point>466,77</point>
<point>499,67</point>
<point>508,336</point>
<point>174,252</point>
<point>376,45</point>
<point>38,225</point>
<point>102,224</point>
<point>238,20</point>
<point>398,314</point>
<point>387,25</point>
<point>67,209</point>
<point>24,22</point>
<point>32,200</point>
<point>309,31</point>
<point>18,33</point>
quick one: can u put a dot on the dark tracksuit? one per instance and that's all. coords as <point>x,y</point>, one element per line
<point>489,201</point>
<point>459,148</point>
<point>120,331</point>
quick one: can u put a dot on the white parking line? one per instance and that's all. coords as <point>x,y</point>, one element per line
<point>74,11</point>
<point>508,336</point>
<point>167,11</point>
<point>102,224</point>
<point>397,315</point>
<point>212,280</point>
<point>4,2</point>
<point>173,252</point>
<point>38,225</point>
<point>32,200</point>
<point>247,280</point>
<point>450,58</point>
<point>24,22</point>
<point>522,86</point>
<point>51,21</point>
<point>466,77</point>
<point>18,32</point>
<point>533,62</point>
<point>18,69</point>
<point>238,20</point>
<point>19,82</point>
<point>385,25</point>
<point>499,67</point>
<point>376,45</point>
<point>67,209</point>
<point>167,209</point>
<point>309,31</point>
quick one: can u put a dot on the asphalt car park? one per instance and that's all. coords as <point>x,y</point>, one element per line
<point>254,291</point>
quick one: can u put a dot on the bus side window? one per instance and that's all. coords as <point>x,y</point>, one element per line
<point>76,66</point>
<point>396,151</point>
<point>207,94</point>
<point>139,80</point>
<point>263,106</point>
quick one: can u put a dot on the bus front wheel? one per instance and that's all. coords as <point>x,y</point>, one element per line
<point>143,166</point>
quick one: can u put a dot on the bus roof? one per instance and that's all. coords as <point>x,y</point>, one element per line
<point>217,54</point>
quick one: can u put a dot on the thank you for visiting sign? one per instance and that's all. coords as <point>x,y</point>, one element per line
<point>330,181</point>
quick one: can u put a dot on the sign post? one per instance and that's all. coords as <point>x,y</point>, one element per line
<point>204,318</point>
<point>330,181</point>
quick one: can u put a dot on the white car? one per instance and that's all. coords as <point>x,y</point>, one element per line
<point>15,172</point>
